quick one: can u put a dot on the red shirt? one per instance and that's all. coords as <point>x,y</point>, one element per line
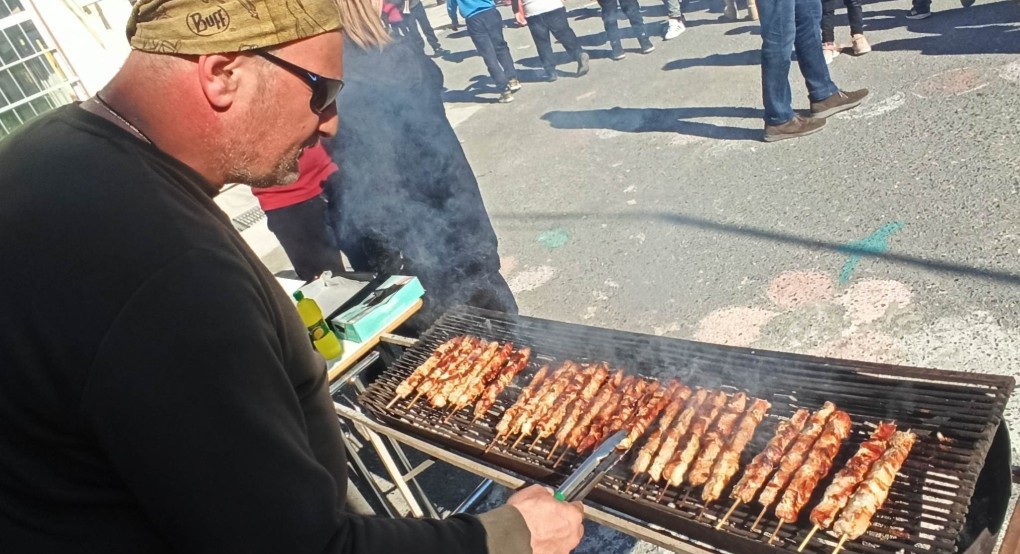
<point>313,168</point>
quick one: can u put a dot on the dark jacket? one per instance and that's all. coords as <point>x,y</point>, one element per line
<point>406,198</point>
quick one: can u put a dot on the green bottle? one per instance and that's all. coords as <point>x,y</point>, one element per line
<point>324,339</point>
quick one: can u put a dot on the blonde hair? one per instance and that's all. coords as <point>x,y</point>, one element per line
<point>363,23</point>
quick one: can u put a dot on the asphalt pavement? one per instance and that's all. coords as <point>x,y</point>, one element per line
<point>640,197</point>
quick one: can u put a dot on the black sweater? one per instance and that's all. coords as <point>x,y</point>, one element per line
<point>157,389</point>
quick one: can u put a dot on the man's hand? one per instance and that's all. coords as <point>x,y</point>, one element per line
<point>555,526</point>
<point>521,20</point>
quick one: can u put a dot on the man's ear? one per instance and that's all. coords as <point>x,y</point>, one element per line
<point>220,77</point>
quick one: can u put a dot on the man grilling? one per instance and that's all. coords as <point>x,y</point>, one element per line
<point>157,390</point>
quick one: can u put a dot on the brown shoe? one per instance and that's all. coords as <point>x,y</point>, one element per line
<point>796,127</point>
<point>839,102</point>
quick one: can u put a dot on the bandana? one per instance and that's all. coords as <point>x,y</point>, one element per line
<point>220,26</point>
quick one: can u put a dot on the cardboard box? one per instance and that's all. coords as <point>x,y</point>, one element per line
<point>394,296</point>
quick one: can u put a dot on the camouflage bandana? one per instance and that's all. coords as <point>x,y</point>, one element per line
<point>220,26</point>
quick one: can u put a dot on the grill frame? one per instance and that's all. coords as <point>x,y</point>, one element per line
<point>712,366</point>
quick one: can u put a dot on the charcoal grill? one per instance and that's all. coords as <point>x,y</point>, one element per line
<point>963,447</point>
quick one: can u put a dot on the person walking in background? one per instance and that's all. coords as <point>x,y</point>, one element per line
<point>675,23</point>
<point>415,17</point>
<point>921,9</point>
<point>610,18</point>
<point>788,25</point>
<point>550,16</point>
<point>855,14</point>
<point>296,214</point>
<point>485,26</point>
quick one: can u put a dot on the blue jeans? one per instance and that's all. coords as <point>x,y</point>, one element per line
<point>486,31</point>
<point>554,22</point>
<point>785,25</point>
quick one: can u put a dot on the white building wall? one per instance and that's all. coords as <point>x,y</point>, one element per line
<point>89,34</point>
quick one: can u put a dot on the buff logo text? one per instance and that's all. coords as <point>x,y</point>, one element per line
<point>209,24</point>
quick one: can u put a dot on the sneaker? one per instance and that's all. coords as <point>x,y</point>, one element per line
<point>646,45</point>
<point>839,102</point>
<point>550,75</point>
<point>617,53</point>
<point>514,85</point>
<point>794,128</point>
<point>674,28</point>
<point>830,50</point>
<point>506,97</point>
<point>582,64</point>
<point>861,46</point>
<point>919,13</point>
<point>730,12</point>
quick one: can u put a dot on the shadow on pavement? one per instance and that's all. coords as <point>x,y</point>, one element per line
<point>661,120</point>
<point>980,29</point>
<point>542,219</point>
<point>747,57</point>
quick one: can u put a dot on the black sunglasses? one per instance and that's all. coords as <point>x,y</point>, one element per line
<point>324,89</point>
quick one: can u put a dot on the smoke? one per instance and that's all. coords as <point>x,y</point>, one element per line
<point>405,198</point>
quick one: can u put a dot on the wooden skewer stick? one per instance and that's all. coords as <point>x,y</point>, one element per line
<point>449,417</point>
<point>553,450</point>
<point>392,402</point>
<point>414,401</point>
<point>761,515</point>
<point>662,493</point>
<point>534,442</point>
<point>726,517</point>
<point>684,499</point>
<point>808,539</point>
<point>630,483</point>
<point>518,441</point>
<point>775,534</point>
<point>562,455</point>
<point>839,546</point>
<point>702,512</point>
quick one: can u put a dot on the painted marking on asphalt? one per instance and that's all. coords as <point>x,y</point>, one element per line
<point>876,109</point>
<point>873,244</point>
<point>531,278</point>
<point>733,326</point>
<point>955,82</point>
<point>553,238</point>
<point>792,289</point>
<point>1011,72</point>
<point>872,299</point>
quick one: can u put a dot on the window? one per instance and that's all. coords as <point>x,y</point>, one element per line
<point>32,81</point>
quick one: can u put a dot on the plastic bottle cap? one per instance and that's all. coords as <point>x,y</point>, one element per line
<point>298,295</point>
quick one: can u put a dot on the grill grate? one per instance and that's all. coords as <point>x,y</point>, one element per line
<point>954,414</point>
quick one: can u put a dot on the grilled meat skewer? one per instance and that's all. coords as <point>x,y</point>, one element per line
<point>716,439</point>
<point>475,383</point>
<point>506,422</point>
<point>650,410</point>
<point>761,467</point>
<point>644,458</point>
<point>796,455</point>
<point>871,495</point>
<point>838,493</point>
<point>517,362</point>
<point>676,469</point>
<point>407,386</point>
<point>679,429</point>
<point>449,387</point>
<point>815,468</point>
<point>729,461</point>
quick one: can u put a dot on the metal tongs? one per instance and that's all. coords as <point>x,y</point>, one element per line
<point>589,473</point>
